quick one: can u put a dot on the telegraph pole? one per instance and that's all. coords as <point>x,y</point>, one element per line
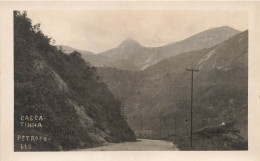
<point>141,122</point>
<point>191,101</point>
<point>160,123</point>
<point>123,114</point>
<point>175,129</point>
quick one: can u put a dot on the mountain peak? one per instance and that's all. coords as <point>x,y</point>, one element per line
<point>222,29</point>
<point>129,42</point>
<point>227,27</point>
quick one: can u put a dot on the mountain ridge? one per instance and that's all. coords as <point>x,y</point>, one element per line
<point>129,42</point>
<point>162,92</point>
<point>67,49</point>
<point>209,53</point>
<point>131,55</point>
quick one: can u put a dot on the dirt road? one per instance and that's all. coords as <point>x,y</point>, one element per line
<point>140,145</point>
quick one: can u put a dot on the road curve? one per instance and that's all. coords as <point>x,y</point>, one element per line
<point>139,145</point>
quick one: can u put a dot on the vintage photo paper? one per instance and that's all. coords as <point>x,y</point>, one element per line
<point>129,80</point>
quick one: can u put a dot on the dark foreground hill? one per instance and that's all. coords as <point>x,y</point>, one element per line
<point>59,101</point>
<point>160,95</point>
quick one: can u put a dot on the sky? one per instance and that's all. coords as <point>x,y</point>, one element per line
<point>100,30</point>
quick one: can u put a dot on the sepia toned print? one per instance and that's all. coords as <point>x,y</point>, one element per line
<point>143,86</point>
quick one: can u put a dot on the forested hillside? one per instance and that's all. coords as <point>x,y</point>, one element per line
<point>77,108</point>
<point>160,95</point>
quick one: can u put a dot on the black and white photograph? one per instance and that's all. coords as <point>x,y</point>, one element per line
<point>130,80</point>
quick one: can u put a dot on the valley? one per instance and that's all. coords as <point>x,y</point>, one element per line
<point>160,94</point>
<point>154,86</point>
<point>89,100</point>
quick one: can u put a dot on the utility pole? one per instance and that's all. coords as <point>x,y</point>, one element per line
<point>123,114</point>
<point>141,123</point>
<point>160,123</point>
<point>175,133</point>
<point>191,101</point>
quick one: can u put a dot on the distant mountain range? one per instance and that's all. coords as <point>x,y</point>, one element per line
<point>154,87</point>
<point>68,50</point>
<point>131,55</point>
<point>161,92</point>
<point>94,59</point>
